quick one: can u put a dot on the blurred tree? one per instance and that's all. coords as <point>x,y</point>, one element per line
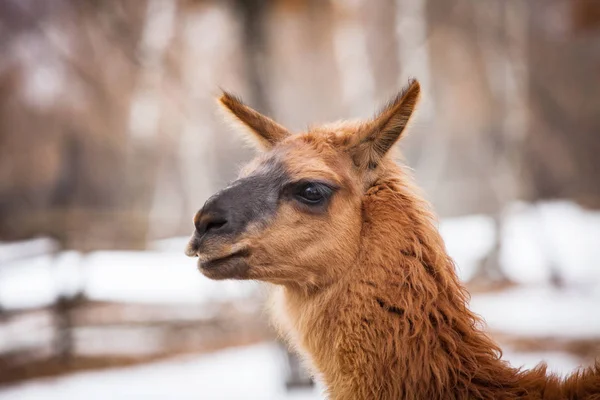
<point>468,52</point>
<point>75,184</point>
<point>564,63</point>
<point>253,15</point>
<point>561,146</point>
<point>64,129</point>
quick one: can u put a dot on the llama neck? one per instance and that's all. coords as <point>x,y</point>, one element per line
<point>418,295</point>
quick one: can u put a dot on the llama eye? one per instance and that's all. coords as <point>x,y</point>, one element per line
<point>312,193</point>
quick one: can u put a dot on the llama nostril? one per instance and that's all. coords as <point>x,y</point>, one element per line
<point>208,223</point>
<point>215,225</point>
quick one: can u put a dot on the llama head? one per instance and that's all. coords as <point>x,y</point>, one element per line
<point>294,215</point>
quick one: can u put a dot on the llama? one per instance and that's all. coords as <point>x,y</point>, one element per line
<point>362,285</point>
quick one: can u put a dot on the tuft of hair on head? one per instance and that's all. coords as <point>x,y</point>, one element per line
<point>265,132</point>
<point>379,134</point>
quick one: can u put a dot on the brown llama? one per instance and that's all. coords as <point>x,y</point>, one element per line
<point>362,284</point>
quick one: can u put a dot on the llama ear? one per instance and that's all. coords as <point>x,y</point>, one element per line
<point>380,134</point>
<point>266,132</point>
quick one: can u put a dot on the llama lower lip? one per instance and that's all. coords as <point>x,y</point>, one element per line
<point>215,262</point>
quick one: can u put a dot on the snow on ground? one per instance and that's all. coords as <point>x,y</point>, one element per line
<point>26,248</point>
<point>534,237</point>
<point>558,363</point>
<point>559,232</point>
<point>145,277</point>
<point>468,239</point>
<point>255,372</point>
<point>541,311</point>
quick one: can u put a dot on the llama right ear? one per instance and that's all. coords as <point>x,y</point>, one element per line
<point>266,132</point>
<point>381,133</point>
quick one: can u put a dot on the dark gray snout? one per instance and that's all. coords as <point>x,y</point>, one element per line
<point>228,213</point>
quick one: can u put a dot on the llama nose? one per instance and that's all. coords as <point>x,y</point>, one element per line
<point>227,214</point>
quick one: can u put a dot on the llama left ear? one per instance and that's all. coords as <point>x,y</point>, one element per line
<point>380,134</point>
<point>266,132</point>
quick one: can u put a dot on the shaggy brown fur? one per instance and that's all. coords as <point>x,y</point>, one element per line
<point>364,287</point>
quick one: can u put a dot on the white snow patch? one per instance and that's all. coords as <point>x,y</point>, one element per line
<point>141,277</point>
<point>558,363</point>
<point>468,240</point>
<point>155,277</point>
<point>27,283</point>
<point>255,372</point>
<point>536,239</point>
<point>541,311</point>
<point>536,236</point>
<point>11,251</point>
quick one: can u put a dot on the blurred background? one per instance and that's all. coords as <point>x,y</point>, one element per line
<point>110,141</point>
